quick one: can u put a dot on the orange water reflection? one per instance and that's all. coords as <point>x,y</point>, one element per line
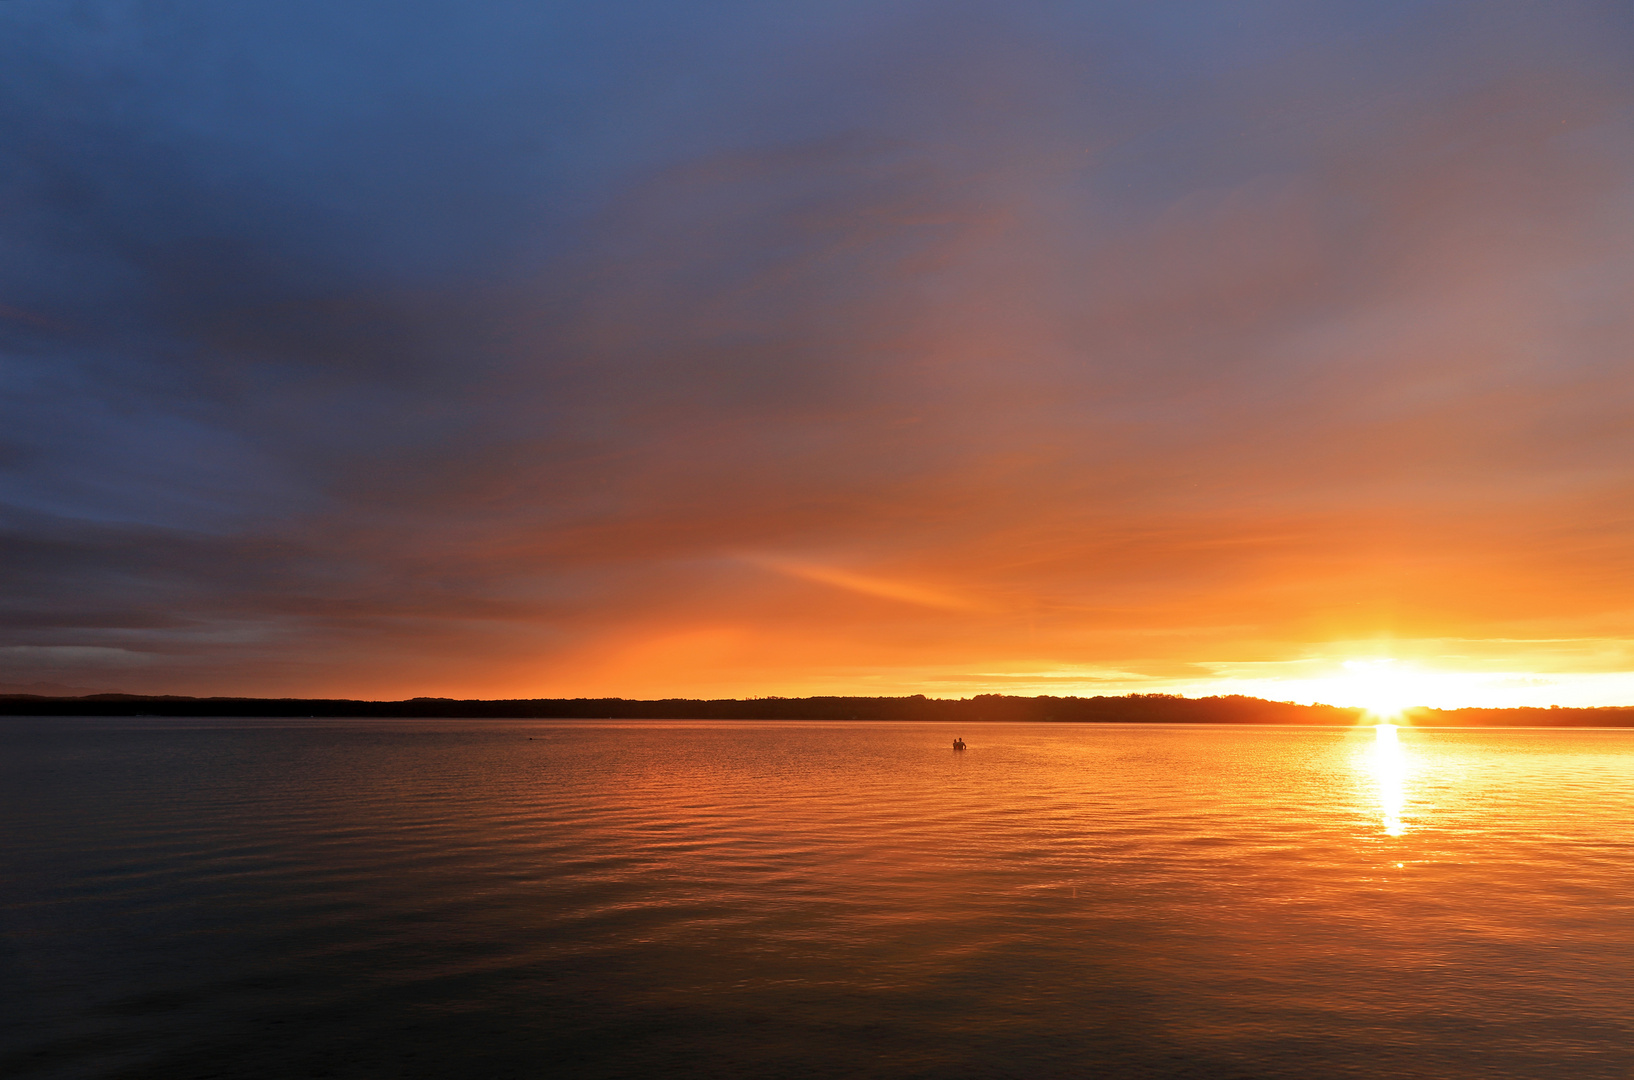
<point>1390,765</point>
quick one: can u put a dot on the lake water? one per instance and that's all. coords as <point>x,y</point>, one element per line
<point>280,899</point>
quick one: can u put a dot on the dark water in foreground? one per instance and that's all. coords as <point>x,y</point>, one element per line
<point>362,899</point>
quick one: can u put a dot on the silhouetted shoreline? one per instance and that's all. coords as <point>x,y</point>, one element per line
<point>983,708</point>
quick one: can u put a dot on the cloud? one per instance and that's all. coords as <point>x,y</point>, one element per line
<point>866,584</point>
<point>27,659</point>
<point>348,348</point>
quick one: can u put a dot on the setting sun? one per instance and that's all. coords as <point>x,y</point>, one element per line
<point>1385,688</point>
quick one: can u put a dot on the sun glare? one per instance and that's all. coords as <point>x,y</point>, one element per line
<point>1384,688</point>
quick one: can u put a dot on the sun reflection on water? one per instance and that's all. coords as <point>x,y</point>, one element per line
<point>1390,775</point>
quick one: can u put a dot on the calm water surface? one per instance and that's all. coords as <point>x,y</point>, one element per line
<point>463,898</point>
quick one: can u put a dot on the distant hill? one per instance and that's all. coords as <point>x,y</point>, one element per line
<point>983,708</point>
<point>51,689</point>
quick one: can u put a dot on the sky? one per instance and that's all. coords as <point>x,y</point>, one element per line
<point>486,349</point>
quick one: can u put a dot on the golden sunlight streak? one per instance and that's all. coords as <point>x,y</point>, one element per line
<point>1389,765</point>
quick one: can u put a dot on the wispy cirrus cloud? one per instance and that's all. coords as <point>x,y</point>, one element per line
<point>886,588</point>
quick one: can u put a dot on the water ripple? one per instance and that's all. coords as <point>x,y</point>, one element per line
<point>274,899</point>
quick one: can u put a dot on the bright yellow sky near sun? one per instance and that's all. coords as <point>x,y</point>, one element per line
<point>1144,620</point>
<point>1383,685</point>
<point>916,639</point>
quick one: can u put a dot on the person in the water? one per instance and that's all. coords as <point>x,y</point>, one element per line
<point>958,744</point>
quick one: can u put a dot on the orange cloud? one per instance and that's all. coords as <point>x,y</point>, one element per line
<point>905,592</point>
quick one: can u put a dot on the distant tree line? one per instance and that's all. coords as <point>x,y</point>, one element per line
<point>983,708</point>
